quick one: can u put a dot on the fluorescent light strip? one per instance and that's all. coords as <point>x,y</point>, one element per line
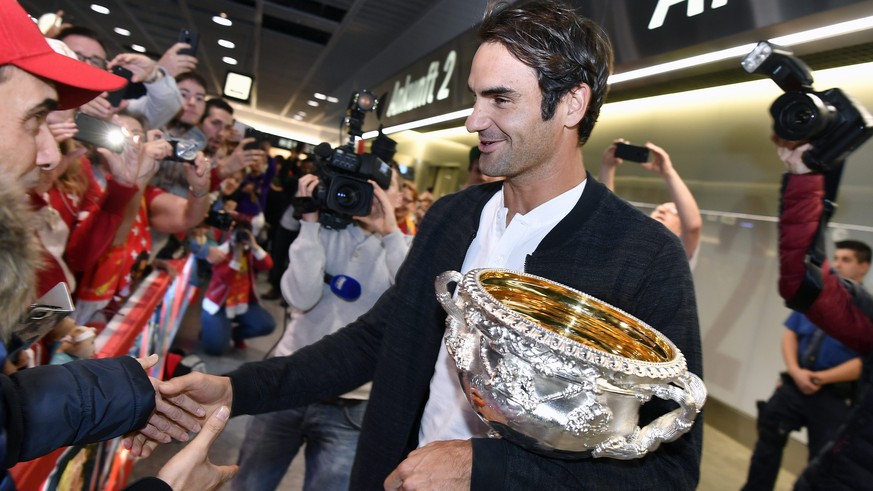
<point>789,40</point>
<point>738,51</point>
<point>422,122</point>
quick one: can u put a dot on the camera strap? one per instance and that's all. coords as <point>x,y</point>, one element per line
<point>815,256</point>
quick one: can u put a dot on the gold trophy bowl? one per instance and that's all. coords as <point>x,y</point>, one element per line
<point>560,372</point>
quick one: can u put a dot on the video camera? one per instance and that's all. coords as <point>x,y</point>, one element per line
<point>343,191</point>
<point>830,120</point>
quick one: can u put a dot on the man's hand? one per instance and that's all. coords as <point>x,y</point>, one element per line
<point>100,108</point>
<point>191,468</point>
<point>660,162</point>
<point>444,465</point>
<point>804,380</point>
<point>143,68</point>
<point>198,175</point>
<point>381,218</point>
<point>174,63</point>
<point>62,125</point>
<point>240,158</point>
<point>209,391</point>
<point>305,188</point>
<point>792,157</point>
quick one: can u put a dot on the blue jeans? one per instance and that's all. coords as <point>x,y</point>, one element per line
<point>216,330</point>
<point>330,432</point>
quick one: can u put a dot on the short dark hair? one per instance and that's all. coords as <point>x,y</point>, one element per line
<point>862,250</point>
<point>81,31</point>
<point>217,103</point>
<point>196,77</point>
<point>564,48</point>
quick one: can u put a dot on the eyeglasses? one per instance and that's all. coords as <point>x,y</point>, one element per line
<point>94,61</point>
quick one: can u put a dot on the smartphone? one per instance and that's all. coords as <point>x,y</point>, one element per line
<point>633,153</point>
<point>257,135</point>
<point>116,96</point>
<point>189,37</point>
<point>40,318</point>
<point>100,133</point>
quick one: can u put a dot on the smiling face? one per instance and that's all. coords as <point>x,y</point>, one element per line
<point>513,138</point>
<point>27,144</point>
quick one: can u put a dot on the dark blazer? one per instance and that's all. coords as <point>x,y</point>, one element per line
<point>604,247</point>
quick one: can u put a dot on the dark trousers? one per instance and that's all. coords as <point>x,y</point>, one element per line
<point>789,410</point>
<point>279,251</point>
<point>845,462</point>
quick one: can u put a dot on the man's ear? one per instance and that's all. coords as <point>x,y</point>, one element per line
<point>577,105</point>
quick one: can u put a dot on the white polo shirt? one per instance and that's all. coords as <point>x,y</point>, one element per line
<point>448,415</point>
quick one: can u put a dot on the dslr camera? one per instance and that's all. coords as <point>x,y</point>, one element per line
<point>343,191</point>
<point>830,120</point>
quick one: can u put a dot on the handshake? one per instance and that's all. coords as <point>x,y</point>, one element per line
<point>197,403</point>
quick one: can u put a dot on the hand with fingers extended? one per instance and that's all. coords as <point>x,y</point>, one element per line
<point>196,393</point>
<point>176,63</point>
<point>175,415</point>
<point>191,468</point>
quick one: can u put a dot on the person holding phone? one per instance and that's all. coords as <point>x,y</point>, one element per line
<point>680,215</point>
<point>83,401</point>
<point>161,100</point>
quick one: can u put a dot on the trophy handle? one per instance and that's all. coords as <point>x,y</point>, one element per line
<point>690,394</point>
<point>444,297</point>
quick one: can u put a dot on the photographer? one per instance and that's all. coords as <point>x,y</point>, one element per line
<point>370,250</point>
<point>843,309</point>
<point>231,296</point>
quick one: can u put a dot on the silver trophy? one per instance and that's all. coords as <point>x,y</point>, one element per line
<point>560,372</point>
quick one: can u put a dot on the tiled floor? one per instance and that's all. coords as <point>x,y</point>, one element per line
<point>724,466</point>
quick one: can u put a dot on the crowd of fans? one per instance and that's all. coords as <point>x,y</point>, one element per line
<point>108,216</point>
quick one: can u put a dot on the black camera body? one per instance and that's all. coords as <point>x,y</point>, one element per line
<point>830,120</point>
<point>343,189</point>
<point>219,219</point>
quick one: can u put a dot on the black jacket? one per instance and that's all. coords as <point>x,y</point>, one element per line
<point>604,247</point>
<point>53,406</point>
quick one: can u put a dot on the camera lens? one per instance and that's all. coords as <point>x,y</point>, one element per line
<point>186,149</point>
<point>800,116</point>
<point>348,196</point>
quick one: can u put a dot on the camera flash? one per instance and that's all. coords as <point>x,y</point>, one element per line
<point>117,137</point>
<point>757,57</point>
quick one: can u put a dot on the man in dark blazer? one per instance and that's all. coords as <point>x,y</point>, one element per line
<point>539,78</point>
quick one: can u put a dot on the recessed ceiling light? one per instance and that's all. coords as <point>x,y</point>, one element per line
<point>222,20</point>
<point>99,9</point>
<point>301,113</point>
<point>121,31</point>
<point>224,43</point>
<point>320,96</point>
<point>138,48</point>
<point>298,117</point>
<point>312,103</point>
<point>332,99</point>
<point>229,60</point>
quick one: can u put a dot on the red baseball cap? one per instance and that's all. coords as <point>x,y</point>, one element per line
<point>22,45</point>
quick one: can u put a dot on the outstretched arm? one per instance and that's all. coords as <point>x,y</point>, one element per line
<point>686,205</point>
<point>608,163</point>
